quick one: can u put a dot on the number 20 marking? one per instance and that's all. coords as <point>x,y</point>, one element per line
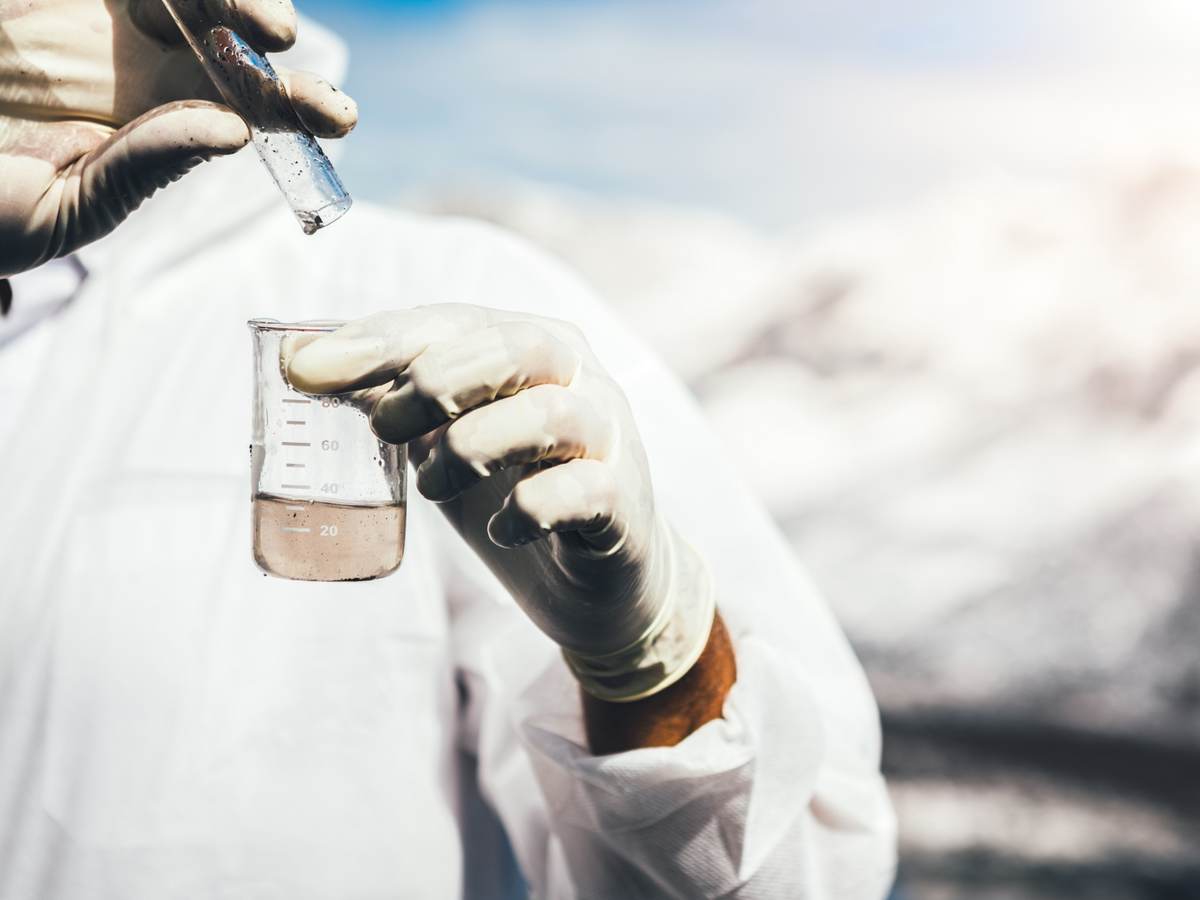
<point>328,531</point>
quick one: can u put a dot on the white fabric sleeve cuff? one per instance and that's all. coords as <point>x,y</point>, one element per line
<point>731,809</point>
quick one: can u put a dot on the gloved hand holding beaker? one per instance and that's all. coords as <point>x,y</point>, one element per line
<point>103,103</point>
<point>531,451</point>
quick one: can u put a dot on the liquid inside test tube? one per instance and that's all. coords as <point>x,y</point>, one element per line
<point>304,175</point>
<point>250,86</point>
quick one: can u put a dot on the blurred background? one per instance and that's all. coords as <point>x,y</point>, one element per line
<point>933,268</point>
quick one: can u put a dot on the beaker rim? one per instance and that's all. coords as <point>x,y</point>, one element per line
<point>314,325</point>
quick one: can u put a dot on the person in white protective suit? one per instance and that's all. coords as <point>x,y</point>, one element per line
<point>598,673</point>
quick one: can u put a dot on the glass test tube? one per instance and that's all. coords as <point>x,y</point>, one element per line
<point>250,86</point>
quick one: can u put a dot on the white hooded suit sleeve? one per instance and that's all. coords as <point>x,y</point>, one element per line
<point>780,798</point>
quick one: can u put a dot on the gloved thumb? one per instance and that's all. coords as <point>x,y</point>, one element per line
<point>110,181</point>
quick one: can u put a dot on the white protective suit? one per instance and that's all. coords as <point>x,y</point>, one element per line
<point>175,724</point>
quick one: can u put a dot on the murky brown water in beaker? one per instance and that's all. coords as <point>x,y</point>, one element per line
<point>327,541</point>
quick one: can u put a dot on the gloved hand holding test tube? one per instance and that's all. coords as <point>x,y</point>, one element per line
<point>249,84</point>
<point>105,103</point>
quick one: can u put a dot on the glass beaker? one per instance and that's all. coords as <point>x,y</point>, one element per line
<point>328,496</point>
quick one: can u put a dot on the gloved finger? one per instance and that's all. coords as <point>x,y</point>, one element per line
<point>323,109</point>
<point>451,377</point>
<point>152,18</point>
<point>376,349</point>
<point>363,400</point>
<point>546,423</point>
<point>267,25</point>
<point>580,496</point>
<point>100,189</point>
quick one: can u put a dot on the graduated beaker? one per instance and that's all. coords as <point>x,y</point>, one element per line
<point>328,496</point>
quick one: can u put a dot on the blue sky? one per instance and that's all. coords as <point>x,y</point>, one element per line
<point>781,112</point>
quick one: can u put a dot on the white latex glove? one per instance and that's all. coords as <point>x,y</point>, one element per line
<point>102,103</point>
<point>531,451</point>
